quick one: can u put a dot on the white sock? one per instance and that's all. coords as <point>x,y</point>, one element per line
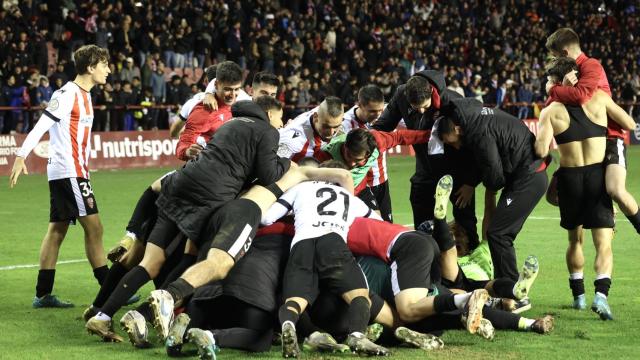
<point>357,334</point>
<point>576,276</point>
<point>103,316</point>
<point>460,300</point>
<point>290,322</point>
<point>528,323</point>
<point>601,294</point>
<point>132,235</point>
<point>603,276</point>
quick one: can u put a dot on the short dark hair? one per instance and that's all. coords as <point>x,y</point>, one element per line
<point>334,106</point>
<point>309,161</point>
<point>446,125</point>
<point>228,72</point>
<point>562,38</point>
<point>89,56</point>
<point>267,78</point>
<point>360,141</point>
<point>334,164</point>
<point>210,72</point>
<point>560,66</point>
<point>267,103</point>
<point>418,89</point>
<point>370,94</point>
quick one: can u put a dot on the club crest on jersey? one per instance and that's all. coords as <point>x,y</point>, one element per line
<point>53,105</point>
<point>90,202</point>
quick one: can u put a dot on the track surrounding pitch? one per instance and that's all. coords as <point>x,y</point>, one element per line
<point>26,333</point>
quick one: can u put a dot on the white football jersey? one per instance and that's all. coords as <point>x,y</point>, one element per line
<point>378,172</point>
<point>319,208</point>
<point>70,137</point>
<point>211,89</point>
<point>188,106</point>
<point>299,139</point>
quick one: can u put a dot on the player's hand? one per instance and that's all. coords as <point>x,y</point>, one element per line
<point>464,195</point>
<point>193,151</point>
<point>18,168</point>
<point>570,79</point>
<point>210,102</point>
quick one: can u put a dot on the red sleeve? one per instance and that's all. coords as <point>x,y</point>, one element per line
<point>196,125</point>
<point>387,140</point>
<point>590,72</point>
<point>361,186</point>
<point>322,156</point>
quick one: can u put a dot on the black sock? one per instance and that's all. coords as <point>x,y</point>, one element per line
<point>115,274</point>
<point>179,290</point>
<point>444,303</point>
<point>377,303</point>
<point>145,310</point>
<point>635,220</point>
<point>286,314</point>
<point>145,209</point>
<point>305,326</point>
<point>185,263</point>
<point>501,319</point>
<point>442,235</point>
<point>503,288</point>
<point>100,273</point>
<point>44,285</point>
<point>602,285</point>
<point>577,286</point>
<point>358,315</point>
<point>128,286</point>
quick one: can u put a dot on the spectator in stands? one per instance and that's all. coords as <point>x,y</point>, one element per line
<point>129,70</point>
<point>525,95</point>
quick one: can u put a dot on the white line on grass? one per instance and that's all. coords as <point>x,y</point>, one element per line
<point>27,266</point>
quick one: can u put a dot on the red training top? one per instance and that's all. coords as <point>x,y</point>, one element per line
<point>201,123</point>
<point>373,237</point>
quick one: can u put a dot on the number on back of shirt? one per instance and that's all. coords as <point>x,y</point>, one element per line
<point>322,193</point>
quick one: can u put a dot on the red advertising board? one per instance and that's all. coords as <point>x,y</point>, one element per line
<point>109,150</point>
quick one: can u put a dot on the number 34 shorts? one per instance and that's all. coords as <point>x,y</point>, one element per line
<point>71,198</point>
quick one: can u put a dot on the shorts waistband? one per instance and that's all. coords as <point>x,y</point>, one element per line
<point>580,168</point>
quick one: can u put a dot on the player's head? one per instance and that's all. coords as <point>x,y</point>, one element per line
<point>563,42</point>
<point>418,92</point>
<point>328,119</point>
<point>273,108</point>
<point>558,67</point>
<point>208,74</point>
<point>93,61</point>
<point>460,238</point>
<point>265,84</point>
<point>371,102</point>
<point>358,147</point>
<point>228,81</point>
<point>333,164</point>
<point>309,161</point>
<point>449,132</point>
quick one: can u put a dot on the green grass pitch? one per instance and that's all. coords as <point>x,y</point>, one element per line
<point>26,333</point>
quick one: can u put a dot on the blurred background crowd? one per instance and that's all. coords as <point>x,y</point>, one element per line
<point>491,50</point>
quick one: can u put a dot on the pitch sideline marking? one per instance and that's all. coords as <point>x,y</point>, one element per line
<point>74,261</point>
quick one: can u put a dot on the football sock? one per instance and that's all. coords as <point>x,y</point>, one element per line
<point>305,326</point>
<point>358,315</point>
<point>635,220</point>
<point>576,283</point>
<point>503,288</point>
<point>442,235</point>
<point>444,303</point>
<point>113,277</point>
<point>44,285</point>
<point>460,300</point>
<point>144,210</point>
<point>287,314</point>
<point>125,289</point>
<point>525,324</point>
<point>179,290</point>
<point>501,319</point>
<point>100,273</point>
<point>602,284</point>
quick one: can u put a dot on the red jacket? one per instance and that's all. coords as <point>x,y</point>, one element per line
<point>201,123</point>
<point>592,77</point>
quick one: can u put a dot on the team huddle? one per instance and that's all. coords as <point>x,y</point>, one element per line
<point>272,233</point>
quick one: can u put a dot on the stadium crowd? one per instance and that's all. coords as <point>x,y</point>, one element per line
<point>491,50</point>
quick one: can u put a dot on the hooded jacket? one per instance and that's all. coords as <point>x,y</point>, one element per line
<point>242,151</point>
<point>502,144</point>
<point>399,108</point>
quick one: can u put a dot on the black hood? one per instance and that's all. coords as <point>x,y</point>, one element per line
<point>465,112</point>
<point>435,77</point>
<point>248,108</point>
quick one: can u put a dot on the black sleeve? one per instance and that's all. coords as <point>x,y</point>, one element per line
<point>489,162</point>
<point>391,115</point>
<point>269,167</point>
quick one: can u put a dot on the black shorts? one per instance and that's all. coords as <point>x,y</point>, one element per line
<point>412,257</point>
<point>615,153</point>
<point>71,198</point>
<point>367,196</point>
<point>325,259</point>
<point>232,228</point>
<point>383,199</point>
<point>164,231</point>
<point>583,198</point>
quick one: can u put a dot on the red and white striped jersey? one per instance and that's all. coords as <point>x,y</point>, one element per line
<point>299,139</point>
<point>378,173</point>
<point>69,138</point>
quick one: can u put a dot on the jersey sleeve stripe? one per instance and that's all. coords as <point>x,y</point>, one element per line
<point>73,130</point>
<point>85,148</point>
<point>51,116</point>
<point>285,204</point>
<point>297,157</point>
<point>87,108</point>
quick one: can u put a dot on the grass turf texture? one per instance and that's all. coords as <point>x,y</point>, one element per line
<point>28,333</point>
